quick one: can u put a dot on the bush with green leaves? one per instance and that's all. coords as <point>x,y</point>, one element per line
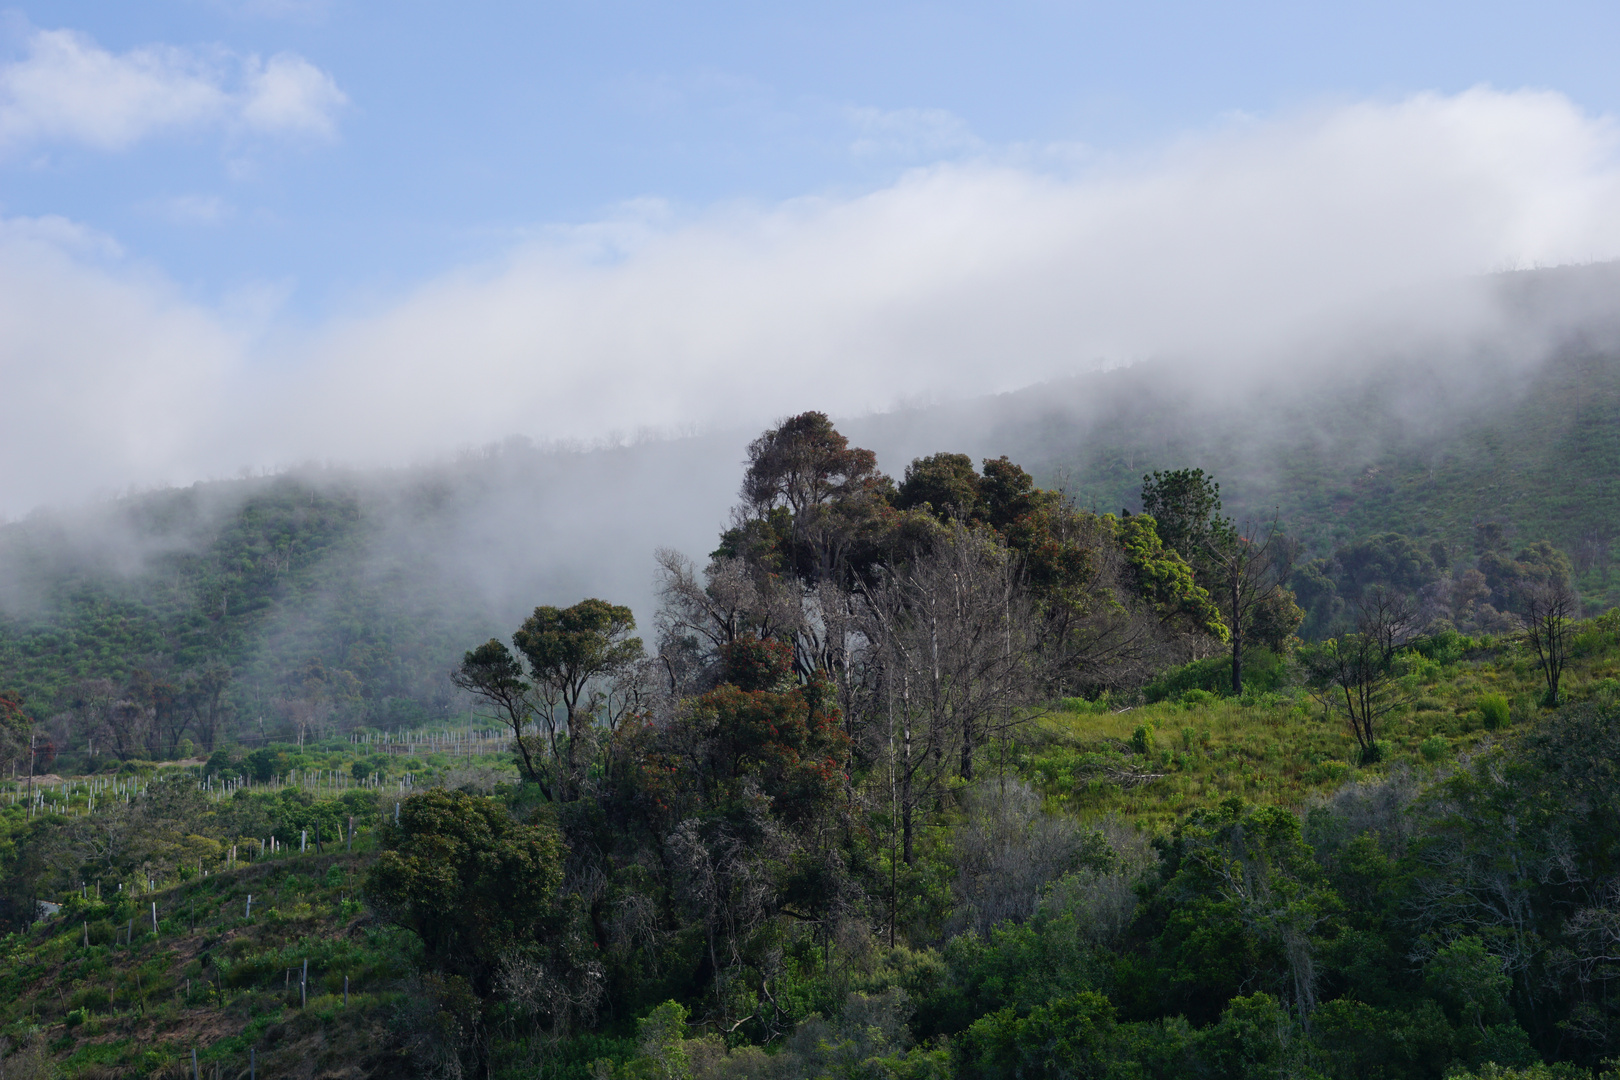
<point>1493,711</point>
<point>1434,748</point>
<point>473,883</point>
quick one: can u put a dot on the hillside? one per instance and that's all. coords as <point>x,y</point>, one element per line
<point>1341,464</point>
<point>1431,439</point>
<point>354,593</point>
<point>100,993</point>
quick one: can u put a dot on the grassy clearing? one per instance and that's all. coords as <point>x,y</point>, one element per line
<point>1149,763</point>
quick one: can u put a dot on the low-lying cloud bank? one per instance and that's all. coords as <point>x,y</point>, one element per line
<point>956,280</point>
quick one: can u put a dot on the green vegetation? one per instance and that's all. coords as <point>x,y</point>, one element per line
<point>259,610</point>
<point>1016,933</point>
<point>1477,459</point>
<point>942,778</point>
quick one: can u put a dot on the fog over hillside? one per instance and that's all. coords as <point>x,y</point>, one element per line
<point>495,531</point>
<point>955,281</point>
<point>1298,305</point>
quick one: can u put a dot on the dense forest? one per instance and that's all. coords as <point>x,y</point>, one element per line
<point>947,774</point>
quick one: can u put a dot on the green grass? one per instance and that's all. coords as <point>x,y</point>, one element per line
<point>1282,747</point>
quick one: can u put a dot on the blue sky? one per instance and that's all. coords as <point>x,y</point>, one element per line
<point>245,233</point>
<point>468,126</point>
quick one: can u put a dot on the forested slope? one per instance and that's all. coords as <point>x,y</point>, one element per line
<point>259,587</point>
<point>1430,438</point>
<point>268,604</point>
<point>1539,459</point>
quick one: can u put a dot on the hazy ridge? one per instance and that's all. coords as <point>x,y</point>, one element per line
<point>389,575</point>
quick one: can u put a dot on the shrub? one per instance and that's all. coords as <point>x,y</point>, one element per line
<point>1213,676</point>
<point>1263,672</point>
<point>1492,1071</point>
<point>1327,772</point>
<point>1378,751</point>
<point>1433,748</point>
<point>661,1034</point>
<point>1605,692</point>
<point>219,762</point>
<point>1142,739</point>
<point>262,764</point>
<point>1445,647</point>
<point>92,999</point>
<point>1493,711</point>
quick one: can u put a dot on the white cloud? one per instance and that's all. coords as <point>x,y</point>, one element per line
<point>957,279</point>
<point>289,94</point>
<point>69,89</point>
<point>193,209</point>
<point>911,133</point>
<point>104,372</point>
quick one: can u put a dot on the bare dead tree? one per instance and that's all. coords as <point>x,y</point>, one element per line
<point>729,602</point>
<point>1009,849</point>
<point>164,702</point>
<point>205,699</point>
<point>91,702</point>
<point>1550,610</point>
<point>954,640</point>
<point>555,997</point>
<point>1249,566</point>
<point>725,877</point>
<point>307,713</point>
<point>821,618</point>
<point>1098,634</point>
<point>1354,674</point>
<point>127,723</point>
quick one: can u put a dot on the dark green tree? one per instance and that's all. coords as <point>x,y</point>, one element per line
<point>1009,495</point>
<point>1244,568</point>
<point>944,484</point>
<point>15,727</point>
<point>1389,560</point>
<point>759,731</point>
<point>493,675</point>
<point>1064,1039</point>
<point>811,503</point>
<point>1536,565</point>
<point>1244,904</point>
<point>571,653</point>
<point>205,698</point>
<point>474,884</point>
<point>1186,505</point>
